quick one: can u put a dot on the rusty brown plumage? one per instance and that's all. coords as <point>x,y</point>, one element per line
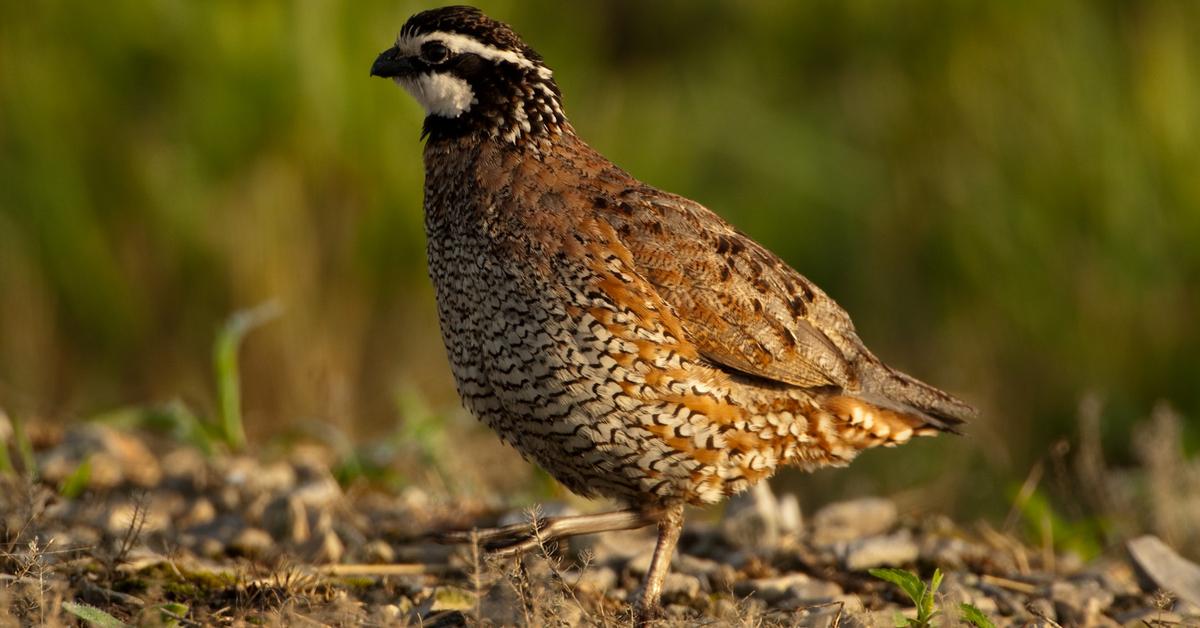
<point>628,340</point>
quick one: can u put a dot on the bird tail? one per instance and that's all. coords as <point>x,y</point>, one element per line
<point>893,407</point>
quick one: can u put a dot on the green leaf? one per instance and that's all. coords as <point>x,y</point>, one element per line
<point>75,484</point>
<point>928,610</point>
<point>93,615</point>
<point>907,581</point>
<point>972,615</point>
<point>225,364</point>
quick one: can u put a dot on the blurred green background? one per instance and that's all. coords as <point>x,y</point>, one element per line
<point>1004,195</point>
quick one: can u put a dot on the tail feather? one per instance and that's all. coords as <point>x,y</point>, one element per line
<point>868,425</point>
<point>905,394</point>
<point>892,407</point>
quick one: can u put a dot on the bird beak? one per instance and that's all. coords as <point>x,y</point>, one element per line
<point>391,63</point>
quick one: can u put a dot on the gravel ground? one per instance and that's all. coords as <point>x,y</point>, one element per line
<point>157,534</point>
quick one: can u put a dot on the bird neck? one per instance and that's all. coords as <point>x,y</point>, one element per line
<point>519,112</point>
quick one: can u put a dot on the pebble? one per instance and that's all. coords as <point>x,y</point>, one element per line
<point>892,550</point>
<point>125,515</point>
<point>1079,604</point>
<point>594,578</point>
<point>378,552</point>
<point>252,543</point>
<point>199,512</point>
<point>811,593</point>
<point>1041,608</point>
<point>115,457</point>
<point>324,548</point>
<point>287,520</point>
<point>255,478</point>
<point>1166,568</point>
<point>185,469</point>
<point>851,520</point>
<point>770,589</point>
<point>678,585</point>
<point>318,492</point>
<point>752,519</point>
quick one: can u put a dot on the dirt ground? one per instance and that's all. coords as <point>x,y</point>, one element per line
<point>121,527</point>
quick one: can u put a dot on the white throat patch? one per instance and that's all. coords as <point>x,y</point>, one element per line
<point>441,94</point>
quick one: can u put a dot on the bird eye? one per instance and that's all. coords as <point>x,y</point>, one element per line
<point>434,52</point>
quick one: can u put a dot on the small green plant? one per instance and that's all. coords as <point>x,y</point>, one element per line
<point>922,595</point>
<point>93,616</point>
<point>225,364</point>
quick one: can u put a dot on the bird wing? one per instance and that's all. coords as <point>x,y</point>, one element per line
<point>740,304</point>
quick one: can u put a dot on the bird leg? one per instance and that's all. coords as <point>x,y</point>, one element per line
<point>670,524</point>
<point>521,537</point>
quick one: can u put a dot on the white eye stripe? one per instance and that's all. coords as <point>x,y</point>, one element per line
<point>411,46</point>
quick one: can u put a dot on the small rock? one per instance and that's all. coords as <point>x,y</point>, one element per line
<point>950,552</point>
<point>891,550</point>
<point>851,520</point>
<point>1079,604</point>
<point>252,543</point>
<point>545,511</point>
<point>811,593</point>
<point>257,478</point>
<point>770,589</point>
<point>185,469</point>
<point>199,512</point>
<point>286,519</point>
<point>115,457</point>
<point>681,585</point>
<point>147,518</point>
<point>378,552</point>
<point>694,565</point>
<point>1041,608</point>
<point>751,519</point>
<point>318,492</point>
<point>598,579</point>
<point>387,615</point>
<point>615,548</point>
<point>1167,569</point>
<point>1149,616</point>
<point>324,548</point>
<point>207,547</point>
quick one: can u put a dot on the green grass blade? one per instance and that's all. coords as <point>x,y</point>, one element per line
<point>24,449</point>
<point>75,484</point>
<point>93,615</point>
<point>225,353</point>
<point>6,433</point>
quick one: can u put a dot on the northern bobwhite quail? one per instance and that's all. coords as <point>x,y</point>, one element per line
<point>628,340</point>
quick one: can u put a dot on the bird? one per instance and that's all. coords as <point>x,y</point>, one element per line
<point>629,341</point>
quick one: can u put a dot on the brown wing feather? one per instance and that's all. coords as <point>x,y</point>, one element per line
<point>741,305</point>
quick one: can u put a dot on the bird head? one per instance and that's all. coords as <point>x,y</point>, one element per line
<point>473,75</point>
